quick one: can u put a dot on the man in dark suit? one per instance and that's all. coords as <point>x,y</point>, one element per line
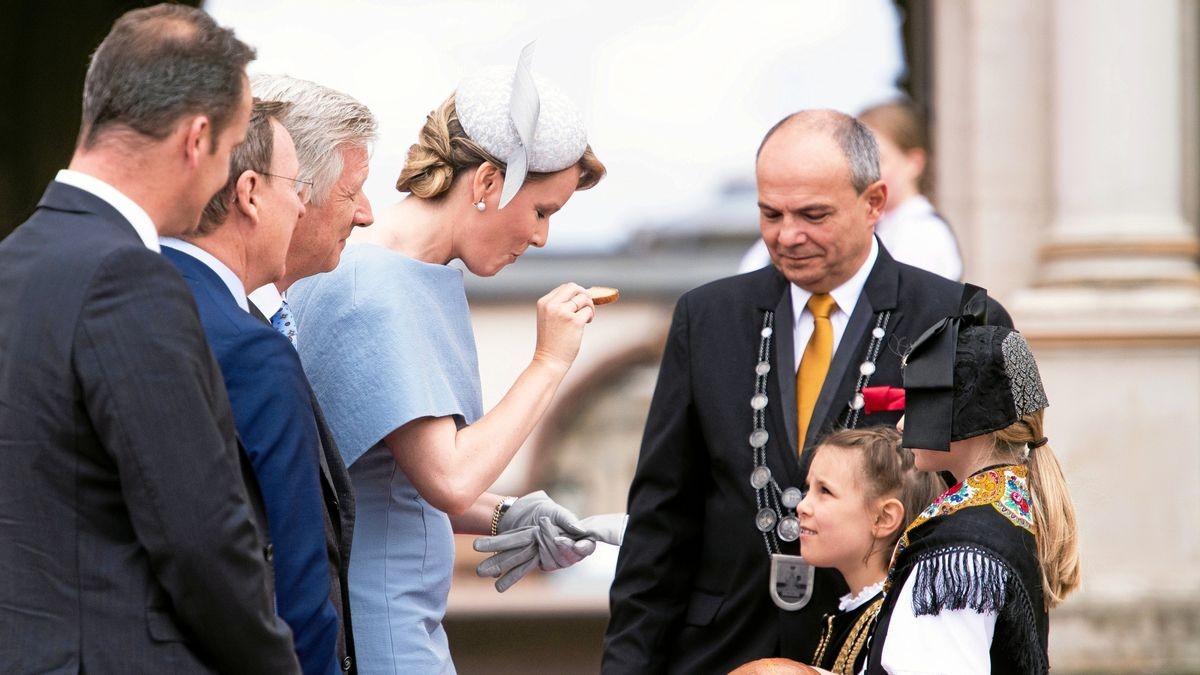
<point>242,242</point>
<point>332,132</point>
<point>757,369</point>
<point>129,540</point>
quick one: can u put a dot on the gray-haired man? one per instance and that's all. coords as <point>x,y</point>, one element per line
<point>332,133</point>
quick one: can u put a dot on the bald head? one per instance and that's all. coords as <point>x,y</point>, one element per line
<point>851,136</point>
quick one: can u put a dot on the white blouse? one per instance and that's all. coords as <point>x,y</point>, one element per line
<point>952,641</point>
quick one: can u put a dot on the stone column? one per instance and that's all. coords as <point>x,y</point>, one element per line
<point>1105,285</point>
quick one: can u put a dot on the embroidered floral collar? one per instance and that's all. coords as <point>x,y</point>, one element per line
<point>1004,488</point>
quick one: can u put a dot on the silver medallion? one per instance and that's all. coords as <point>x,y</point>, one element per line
<point>759,477</point>
<point>766,332</point>
<point>765,520</point>
<point>758,438</point>
<point>788,528</point>
<point>758,401</point>
<point>791,498</point>
<point>877,333</point>
<point>858,402</point>
<point>762,368</point>
<point>791,584</point>
<point>867,368</point>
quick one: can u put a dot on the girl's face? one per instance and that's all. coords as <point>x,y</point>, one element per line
<point>835,519</point>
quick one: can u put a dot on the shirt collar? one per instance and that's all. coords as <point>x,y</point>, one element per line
<point>129,209</point>
<point>267,299</point>
<point>846,295</point>
<point>227,276</point>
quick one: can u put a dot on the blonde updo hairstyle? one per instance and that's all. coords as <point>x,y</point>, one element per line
<point>443,152</point>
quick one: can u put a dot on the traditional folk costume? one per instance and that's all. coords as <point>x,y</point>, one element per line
<point>964,590</point>
<point>845,634</point>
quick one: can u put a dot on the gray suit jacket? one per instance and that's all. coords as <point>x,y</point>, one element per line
<point>129,537</point>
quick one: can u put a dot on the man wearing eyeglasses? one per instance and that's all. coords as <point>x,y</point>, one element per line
<point>242,243</point>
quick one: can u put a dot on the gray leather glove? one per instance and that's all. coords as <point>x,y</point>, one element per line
<point>526,511</point>
<point>606,527</point>
<point>518,551</point>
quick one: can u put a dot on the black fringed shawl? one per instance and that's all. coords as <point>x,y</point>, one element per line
<point>975,548</point>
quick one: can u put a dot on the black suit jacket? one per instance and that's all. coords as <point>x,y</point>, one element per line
<point>338,496</point>
<point>690,595</point>
<point>128,538</point>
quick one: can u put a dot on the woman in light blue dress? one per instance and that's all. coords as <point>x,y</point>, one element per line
<point>389,349</point>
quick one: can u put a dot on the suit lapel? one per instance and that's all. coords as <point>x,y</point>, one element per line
<point>322,429</point>
<point>785,363</point>
<point>781,387</point>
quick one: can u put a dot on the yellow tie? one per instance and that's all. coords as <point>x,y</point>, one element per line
<point>814,365</point>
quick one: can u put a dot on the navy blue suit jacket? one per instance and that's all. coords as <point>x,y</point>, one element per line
<point>273,414</point>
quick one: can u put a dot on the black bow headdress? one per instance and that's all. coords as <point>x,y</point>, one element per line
<point>963,378</point>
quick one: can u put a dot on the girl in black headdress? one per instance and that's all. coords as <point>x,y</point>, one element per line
<point>974,574</point>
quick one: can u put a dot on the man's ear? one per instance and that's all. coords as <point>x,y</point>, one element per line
<point>488,180</point>
<point>876,194</point>
<point>245,194</point>
<point>197,136</point>
<point>889,518</point>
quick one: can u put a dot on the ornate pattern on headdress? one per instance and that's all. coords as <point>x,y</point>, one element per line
<point>1027,391</point>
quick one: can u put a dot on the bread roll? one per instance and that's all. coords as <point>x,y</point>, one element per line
<point>602,295</point>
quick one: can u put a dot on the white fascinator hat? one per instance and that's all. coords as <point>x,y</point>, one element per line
<point>522,119</point>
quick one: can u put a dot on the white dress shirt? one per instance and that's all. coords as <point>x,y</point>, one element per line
<point>230,279</point>
<point>267,299</point>
<point>914,234</point>
<point>846,297</point>
<point>129,209</point>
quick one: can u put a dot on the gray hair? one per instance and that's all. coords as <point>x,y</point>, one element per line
<point>852,136</point>
<point>158,64</point>
<point>321,122</point>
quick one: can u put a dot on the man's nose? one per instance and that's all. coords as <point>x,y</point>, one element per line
<point>792,232</point>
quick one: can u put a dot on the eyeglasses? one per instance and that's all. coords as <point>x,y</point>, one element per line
<point>302,187</point>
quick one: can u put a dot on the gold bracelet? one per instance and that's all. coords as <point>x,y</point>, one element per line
<point>499,512</point>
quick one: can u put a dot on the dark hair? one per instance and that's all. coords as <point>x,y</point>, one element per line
<point>888,468</point>
<point>852,136</point>
<point>158,64</point>
<point>255,154</point>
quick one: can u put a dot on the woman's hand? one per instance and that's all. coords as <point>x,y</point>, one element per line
<point>561,315</point>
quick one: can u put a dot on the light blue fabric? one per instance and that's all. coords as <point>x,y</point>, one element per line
<point>386,339</point>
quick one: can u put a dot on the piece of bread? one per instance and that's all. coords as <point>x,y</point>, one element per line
<point>774,667</point>
<point>602,295</point>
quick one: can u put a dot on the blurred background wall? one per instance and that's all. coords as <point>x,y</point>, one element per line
<point>1065,138</point>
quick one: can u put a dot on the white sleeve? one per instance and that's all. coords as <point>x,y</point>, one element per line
<point>928,243</point>
<point>952,641</point>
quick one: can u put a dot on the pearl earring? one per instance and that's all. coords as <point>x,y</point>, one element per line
<point>481,205</point>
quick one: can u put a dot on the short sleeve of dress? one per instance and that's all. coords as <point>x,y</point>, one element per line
<point>386,339</point>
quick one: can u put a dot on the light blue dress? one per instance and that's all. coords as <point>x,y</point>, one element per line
<point>386,339</point>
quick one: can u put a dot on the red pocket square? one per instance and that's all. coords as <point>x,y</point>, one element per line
<point>881,398</point>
